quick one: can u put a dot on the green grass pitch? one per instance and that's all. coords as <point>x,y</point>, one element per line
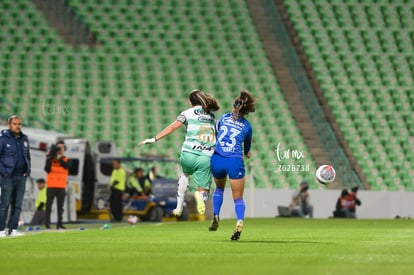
<point>267,246</point>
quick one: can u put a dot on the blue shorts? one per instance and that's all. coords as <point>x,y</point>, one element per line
<point>233,167</point>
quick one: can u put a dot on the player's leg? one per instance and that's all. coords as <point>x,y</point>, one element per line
<point>237,182</point>
<point>181,190</point>
<point>186,166</point>
<point>202,178</point>
<point>217,202</point>
<point>218,195</point>
<point>237,187</point>
<point>218,169</point>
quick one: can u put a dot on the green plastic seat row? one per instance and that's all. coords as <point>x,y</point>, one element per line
<point>375,42</point>
<point>94,81</point>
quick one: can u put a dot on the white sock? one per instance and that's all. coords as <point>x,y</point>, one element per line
<point>182,189</point>
<point>204,195</point>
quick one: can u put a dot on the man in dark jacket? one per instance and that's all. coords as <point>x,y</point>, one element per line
<point>14,168</point>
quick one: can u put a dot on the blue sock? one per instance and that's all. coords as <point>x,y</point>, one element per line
<point>240,208</point>
<point>217,200</point>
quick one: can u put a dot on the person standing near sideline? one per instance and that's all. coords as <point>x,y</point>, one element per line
<point>39,216</point>
<point>57,169</point>
<point>118,182</point>
<point>14,169</point>
<point>234,140</point>
<point>197,148</point>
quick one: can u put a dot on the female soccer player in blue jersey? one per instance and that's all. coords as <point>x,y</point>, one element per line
<point>198,146</point>
<point>234,137</point>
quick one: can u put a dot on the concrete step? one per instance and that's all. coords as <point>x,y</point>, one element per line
<point>288,85</point>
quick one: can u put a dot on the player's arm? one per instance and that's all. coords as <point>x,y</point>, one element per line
<point>167,131</point>
<point>248,143</point>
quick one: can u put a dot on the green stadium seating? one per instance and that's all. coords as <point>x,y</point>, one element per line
<point>135,81</point>
<point>362,55</point>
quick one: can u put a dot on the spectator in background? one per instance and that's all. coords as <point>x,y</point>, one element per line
<point>39,216</point>
<point>300,205</point>
<point>353,201</point>
<point>346,204</point>
<point>138,183</point>
<point>153,174</point>
<point>14,169</point>
<point>341,204</point>
<point>57,169</point>
<point>117,182</point>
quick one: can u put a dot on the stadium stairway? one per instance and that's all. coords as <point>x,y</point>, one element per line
<point>73,29</point>
<point>320,96</point>
<point>289,88</point>
<point>361,55</point>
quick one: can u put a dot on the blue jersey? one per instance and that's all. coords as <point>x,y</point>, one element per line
<point>232,136</point>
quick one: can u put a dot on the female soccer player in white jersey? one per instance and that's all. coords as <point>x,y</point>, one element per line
<point>234,139</point>
<point>197,148</point>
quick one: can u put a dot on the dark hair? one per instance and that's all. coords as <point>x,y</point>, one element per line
<point>344,193</point>
<point>244,104</point>
<point>206,101</point>
<point>41,180</point>
<point>138,169</point>
<point>61,142</point>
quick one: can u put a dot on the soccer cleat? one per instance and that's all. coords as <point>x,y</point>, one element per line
<point>201,207</point>
<point>176,212</point>
<point>15,233</point>
<point>3,234</point>
<point>237,231</point>
<point>214,224</point>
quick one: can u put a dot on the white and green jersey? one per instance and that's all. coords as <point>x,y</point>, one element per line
<point>200,137</point>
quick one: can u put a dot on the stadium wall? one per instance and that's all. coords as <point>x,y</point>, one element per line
<point>375,204</point>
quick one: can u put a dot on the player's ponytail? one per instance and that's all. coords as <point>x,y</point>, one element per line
<point>243,105</point>
<point>206,101</point>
